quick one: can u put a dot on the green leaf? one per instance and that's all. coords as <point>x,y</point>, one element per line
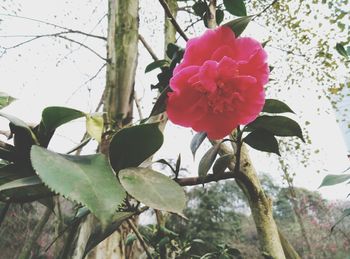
<point>341,50</point>
<point>131,146</point>
<point>19,123</point>
<point>196,141</point>
<point>199,8</point>
<point>278,126</point>
<point>276,106</point>
<point>239,25</point>
<point>25,189</point>
<point>156,64</point>
<point>208,160</point>
<point>22,182</point>
<point>262,140</point>
<point>333,179</point>
<point>219,14</point>
<point>101,234</point>
<point>5,100</point>
<point>235,7</point>
<point>55,116</point>
<point>160,105</point>
<point>94,126</point>
<point>85,179</point>
<point>153,189</point>
<point>222,163</point>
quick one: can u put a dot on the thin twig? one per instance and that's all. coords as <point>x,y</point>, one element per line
<point>172,19</point>
<point>265,9</point>
<point>138,106</point>
<point>148,48</point>
<point>140,238</point>
<point>68,30</point>
<point>83,45</point>
<point>191,181</point>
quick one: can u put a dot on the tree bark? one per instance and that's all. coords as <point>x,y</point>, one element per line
<point>122,42</point>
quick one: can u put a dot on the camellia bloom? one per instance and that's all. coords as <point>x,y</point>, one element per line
<point>219,84</point>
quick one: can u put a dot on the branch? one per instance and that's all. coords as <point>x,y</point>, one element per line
<point>265,9</point>
<point>172,19</point>
<point>140,238</point>
<point>83,45</point>
<point>148,48</point>
<point>190,181</point>
<point>59,35</point>
<point>68,30</point>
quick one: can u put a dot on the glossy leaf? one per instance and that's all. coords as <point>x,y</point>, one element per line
<point>341,50</point>
<point>239,25</point>
<point>222,163</point>
<point>55,116</point>
<point>156,64</point>
<point>278,126</point>
<point>262,140</point>
<point>131,146</point>
<point>208,160</point>
<point>235,7</point>
<point>199,8</point>
<point>276,106</point>
<point>333,179</point>
<point>219,15</point>
<point>5,100</point>
<point>153,189</point>
<point>160,105</point>
<point>101,234</point>
<point>85,179</point>
<point>196,141</point>
<point>94,126</point>
<point>19,123</point>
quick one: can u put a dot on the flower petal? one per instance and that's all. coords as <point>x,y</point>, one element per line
<point>181,79</point>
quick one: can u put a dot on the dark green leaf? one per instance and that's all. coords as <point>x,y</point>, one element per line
<point>156,64</point>
<point>153,189</point>
<point>239,25</point>
<point>160,105</point>
<point>88,180</point>
<point>262,140</point>
<point>333,179</point>
<point>55,116</point>
<point>171,50</point>
<point>19,123</point>
<point>235,7</point>
<point>222,163</point>
<point>276,106</point>
<point>278,126</point>
<point>200,8</point>
<point>131,146</point>
<point>5,100</point>
<point>208,160</point>
<point>341,50</point>
<point>164,162</point>
<point>196,141</point>
<point>219,14</point>
<point>101,234</point>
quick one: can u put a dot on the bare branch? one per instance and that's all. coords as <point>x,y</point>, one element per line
<point>172,19</point>
<point>67,30</point>
<point>148,48</point>
<point>190,181</point>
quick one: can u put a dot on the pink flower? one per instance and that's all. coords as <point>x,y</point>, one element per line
<point>219,84</point>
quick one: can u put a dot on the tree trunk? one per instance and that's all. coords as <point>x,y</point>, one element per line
<point>122,42</point>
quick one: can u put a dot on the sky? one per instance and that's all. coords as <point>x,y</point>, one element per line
<point>48,72</point>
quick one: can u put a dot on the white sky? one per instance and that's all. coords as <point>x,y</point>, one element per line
<point>49,72</point>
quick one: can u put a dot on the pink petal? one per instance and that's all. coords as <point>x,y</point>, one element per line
<point>208,75</point>
<point>180,80</point>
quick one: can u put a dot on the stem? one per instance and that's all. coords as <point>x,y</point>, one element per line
<point>172,19</point>
<point>4,212</point>
<point>148,48</point>
<point>140,238</point>
<point>28,245</point>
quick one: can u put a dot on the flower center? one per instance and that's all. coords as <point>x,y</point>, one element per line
<point>225,98</point>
